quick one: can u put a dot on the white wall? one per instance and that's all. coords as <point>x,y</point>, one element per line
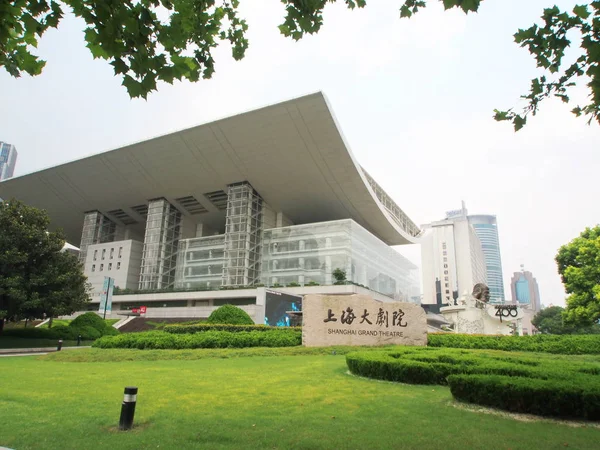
<point>123,266</point>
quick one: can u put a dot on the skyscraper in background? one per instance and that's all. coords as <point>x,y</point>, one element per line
<point>487,230</point>
<point>524,289</point>
<point>8,160</point>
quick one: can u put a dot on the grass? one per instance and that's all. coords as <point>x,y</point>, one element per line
<point>215,399</point>
<point>14,342</point>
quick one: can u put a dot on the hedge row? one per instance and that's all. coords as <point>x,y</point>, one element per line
<point>202,327</point>
<point>472,376</point>
<point>560,398</point>
<point>208,339</point>
<point>559,344</point>
<point>89,326</point>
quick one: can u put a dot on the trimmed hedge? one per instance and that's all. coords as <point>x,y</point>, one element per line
<point>422,368</point>
<point>533,377</point>
<point>586,344</point>
<point>208,339</point>
<point>89,326</point>
<point>559,398</point>
<point>202,327</point>
<point>229,314</point>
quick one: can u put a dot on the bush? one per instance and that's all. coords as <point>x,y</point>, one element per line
<point>561,398</point>
<point>89,319</point>
<point>429,369</point>
<point>209,339</point>
<point>511,382</point>
<point>559,344</point>
<point>91,326</point>
<point>229,314</point>
<point>199,328</point>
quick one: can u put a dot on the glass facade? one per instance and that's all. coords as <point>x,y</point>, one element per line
<point>161,244</point>
<point>200,263</point>
<point>487,231</point>
<point>8,160</point>
<point>305,254</point>
<point>522,290</point>
<point>243,229</point>
<point>97,229</point>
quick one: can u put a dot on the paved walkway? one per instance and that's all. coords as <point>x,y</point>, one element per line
<point>33,351</point>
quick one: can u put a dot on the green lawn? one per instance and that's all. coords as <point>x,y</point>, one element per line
<point>15,342</point>
<point>290,401</point>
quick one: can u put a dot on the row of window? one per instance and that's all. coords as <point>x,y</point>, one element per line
<point>112,253</point>
<point>102,267</point>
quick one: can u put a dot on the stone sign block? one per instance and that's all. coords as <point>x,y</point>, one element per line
<point>361,320</point>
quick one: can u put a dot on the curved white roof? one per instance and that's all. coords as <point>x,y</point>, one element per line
<point>292,153</point>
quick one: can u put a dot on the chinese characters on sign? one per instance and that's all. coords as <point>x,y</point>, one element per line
<point>360,320</point>
<point>348,317</point>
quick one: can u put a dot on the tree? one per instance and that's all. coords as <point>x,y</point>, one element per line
<point>550,321</point>
<point>145,49</point>
<point>36,278</point>
<point>579,267</point>
<point>339,275</point>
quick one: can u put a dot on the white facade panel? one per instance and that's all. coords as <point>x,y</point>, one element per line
<point>120,260</point>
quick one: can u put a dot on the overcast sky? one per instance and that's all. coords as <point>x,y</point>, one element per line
<point>414,98</point>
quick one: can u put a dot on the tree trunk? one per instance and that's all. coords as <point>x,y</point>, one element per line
<point>26,323</point>
<point>1,325</point>
<point>50,323</point>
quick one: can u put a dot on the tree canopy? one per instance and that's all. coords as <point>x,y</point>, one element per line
<point>37,279</point>
<point>147,41</point>
<point>579,267</point>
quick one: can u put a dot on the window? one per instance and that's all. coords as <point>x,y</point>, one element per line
<point>109,266</point>
<point>445,278</point>
<point>118,265</point>
<point>445,266</point>
<point>444,252</point>
<point>101,267</point>
<point>445,272</point>
<point>447,291</point>
<point>120,251</point>
<point>112,252</point>
<point>447,285</point>
<point>93,267</point>
<point>103,253</point>
<point>95,254</point>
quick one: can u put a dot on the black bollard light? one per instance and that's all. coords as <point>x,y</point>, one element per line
<point>78,340</point>
<point>59,346</point>
<point>128,408</point>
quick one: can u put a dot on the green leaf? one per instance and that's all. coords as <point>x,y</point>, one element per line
<point>519,122</point>
<point>581,11</point>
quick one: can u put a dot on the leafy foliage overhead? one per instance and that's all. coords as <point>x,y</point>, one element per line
<point>579,267</point>
<point>147,41</point>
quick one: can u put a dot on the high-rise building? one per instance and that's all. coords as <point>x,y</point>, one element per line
<point>486,228</point>
<point>525,290</point>
<point>453,260</point>
<point>8,159</point>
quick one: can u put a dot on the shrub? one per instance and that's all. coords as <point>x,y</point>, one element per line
<point>511,382</point>
<point>560,344</point>
<point>89,319</point>
<point>561,398</point>
<point>199,328</point>
<point>428,369</point>
<point>85,323</point>
<point>229,314</point>
<point>209,339</point>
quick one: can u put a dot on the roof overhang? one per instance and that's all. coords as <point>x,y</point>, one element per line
<point>292,153</point>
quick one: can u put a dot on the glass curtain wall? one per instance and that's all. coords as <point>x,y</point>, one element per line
<point>308,254</point>
<point>97,229</point>
<point>243,229</point>
<point>161,241</point>
<point>200,263</point>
